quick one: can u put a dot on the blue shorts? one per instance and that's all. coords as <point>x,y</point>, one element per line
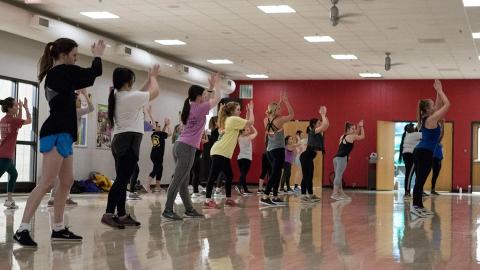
<point>62,141</point>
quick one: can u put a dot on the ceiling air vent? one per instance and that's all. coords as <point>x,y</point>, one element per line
<point>39,22</point>
<point>431,40</point>
<point>124,50</point>
<point>246,91</point>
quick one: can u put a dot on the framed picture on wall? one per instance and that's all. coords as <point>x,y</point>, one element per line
<point>104,130</point>
<point>82,127</point>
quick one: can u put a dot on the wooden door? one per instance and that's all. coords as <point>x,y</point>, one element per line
<point>385,151</point>
<point>475,159</point>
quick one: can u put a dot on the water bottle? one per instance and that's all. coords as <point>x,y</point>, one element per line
<point>469,188</point>
<point>460,190</point>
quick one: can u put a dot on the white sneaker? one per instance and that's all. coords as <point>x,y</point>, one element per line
<point>133,196</point>
<point>10,204</point>
<point>237,189</point>
<point>420,212</point>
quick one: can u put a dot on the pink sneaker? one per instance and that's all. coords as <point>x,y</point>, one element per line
<point>230,203</point>
<point>210,205</point>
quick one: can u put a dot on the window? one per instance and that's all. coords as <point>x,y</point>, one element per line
<point>26,151</point>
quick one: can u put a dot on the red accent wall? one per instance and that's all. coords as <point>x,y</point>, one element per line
<point>370,100</point>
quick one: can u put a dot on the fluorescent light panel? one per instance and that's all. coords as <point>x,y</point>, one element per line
<point>257,76</point>
<point>319,39</point>
<point>170,42</point>
<point>344,57</point>
<point>471,3</point>
<point>100,15</point>
<point>277,9</point>
<point>370,75</point>
<point>476,35</point>
<point>220,61</point>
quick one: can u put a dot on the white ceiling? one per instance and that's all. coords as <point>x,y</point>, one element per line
<point>273,44</point>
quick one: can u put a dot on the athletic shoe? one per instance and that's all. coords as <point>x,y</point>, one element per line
<point>65,235</point>
<point>146,186</point>
<point>290,191</point>
<point>71,202</point>
<point>50,203</point>
<point>210,205</point>
<point>434,193</point>
<point>24,239</point>
<point>296,189</point>
<point>427,212</point>
<point>196,195</point>
<point>133,196</point>
<point>219,194</point>
<point>112,221</point>
<point>230,203</point>
<point>10,204</point>
<point>278,201</point>
<point>267,202</point>
<point>193,214</point>
<point>171,215</point>
<point>305,199</point>
<point>237,189</point>
<point>128,221</point>
<point>337,197</point>
<point>420,212</point>
<point>345,197</point>
<point>260,191</point>
<point>314,198</point>
<point>247,193</point>
<point>424,194</point>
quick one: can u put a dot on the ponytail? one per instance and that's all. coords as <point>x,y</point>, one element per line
<point>421,111</point>
<point>7,104</point>
<point>185,111</point>
<point>400,155</point>
<point>51,53</point>
<point>225,112</point>
<point>111,106</point>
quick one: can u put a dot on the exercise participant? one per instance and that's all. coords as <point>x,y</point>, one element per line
<point>410,139</point>
<point>244,159</point>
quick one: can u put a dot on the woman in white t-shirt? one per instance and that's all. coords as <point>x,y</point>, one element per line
<point>410,138</point>
<point>125,113</point>
<point>244,158</point>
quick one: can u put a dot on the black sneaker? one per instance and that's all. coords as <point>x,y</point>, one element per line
<point>171,216</point>
<point>247,193</point>
<point>424,194</point>
<point>112,221</point>
<point>267,202</point>
<point>193,214</point>
<point>434,193</point>
<point>278,201</point>
<point>65,235</point>
<point>128,221</point>
<point>24,239</point>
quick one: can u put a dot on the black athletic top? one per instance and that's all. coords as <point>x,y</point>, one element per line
<point>212,138</point>
<point>158,143</point>
<point>60,83</point>
<point>344,148</point>
<point>315,141</point>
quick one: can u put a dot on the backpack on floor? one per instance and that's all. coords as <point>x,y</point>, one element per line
<point>90,186</point>
<point>76,188</point>
<point>101,181</point>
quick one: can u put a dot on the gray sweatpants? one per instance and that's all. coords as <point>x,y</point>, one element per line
<point>184,156</point>
<point>339,165</point>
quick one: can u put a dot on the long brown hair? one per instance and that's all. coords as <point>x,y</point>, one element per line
<point>225,112</point>
<point>52,52</point>
<point>422,111</point>
<point>193,92</point>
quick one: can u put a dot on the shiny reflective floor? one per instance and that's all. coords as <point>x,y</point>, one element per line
<point>373,231</point>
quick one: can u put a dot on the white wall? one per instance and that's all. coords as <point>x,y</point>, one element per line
<point>18,59</point>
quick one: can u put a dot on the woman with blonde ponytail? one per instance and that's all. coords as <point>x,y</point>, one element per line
<point>59,131</point>
<point>222,150</point>
<point>275,147</point>
<point>193,117</point>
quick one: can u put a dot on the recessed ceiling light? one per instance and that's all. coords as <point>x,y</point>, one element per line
<point>100,15</point>
<point>344,57</point>
<point>479,57</point>
<point>277,9</point>
<point>370,75</point>
<point>471,3</point>
<point>476,35</point>
<point>257,76</point>
<point>220,61</point>
<point>170,42</point>
<point>319,39</point>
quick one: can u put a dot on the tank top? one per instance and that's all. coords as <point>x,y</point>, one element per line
<point>289,156</point>
<point>276,137</point>
<point>430,138</point>
<point>315,141</point>
<point>245,145</point>
<point>344,148</point>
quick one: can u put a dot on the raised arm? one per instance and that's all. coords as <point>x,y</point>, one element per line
<point>433,119</point>
<point>214,82</point>
<point>250,116</point>
<point>361,133</point>
<point>167,128</point>
<point>254,133</point>
<point>284,119</point>
<point>29,116</point>
<point>325,123</point>
<point>151,84</point>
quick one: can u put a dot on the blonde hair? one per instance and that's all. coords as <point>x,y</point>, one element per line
<point>272,109</point>
<point>226,111</point>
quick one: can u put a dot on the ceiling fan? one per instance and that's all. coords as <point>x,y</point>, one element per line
<point>335,14</point>
<point>388,62</point>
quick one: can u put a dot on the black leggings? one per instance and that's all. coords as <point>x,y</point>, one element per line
<point>423,160</point>
<point>277,158</point>
<point>265,166</point>
<point>134,178</point>
<point>306,160</point>
<point>125,150</point>
<point>244,166</point>
<point>287,172</point>
<point>195,171</point>
<point>409,171</point>
<point>220,164</point>
<point>157,170</point>
<point>436,167</point>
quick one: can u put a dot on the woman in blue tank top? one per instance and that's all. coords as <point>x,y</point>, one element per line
<point>429,116</point>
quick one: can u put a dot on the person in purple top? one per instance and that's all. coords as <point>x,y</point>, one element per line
<point>287,166</point>
<point>193,117</point>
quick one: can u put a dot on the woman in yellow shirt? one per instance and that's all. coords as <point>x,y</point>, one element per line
<point>222,151</point>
